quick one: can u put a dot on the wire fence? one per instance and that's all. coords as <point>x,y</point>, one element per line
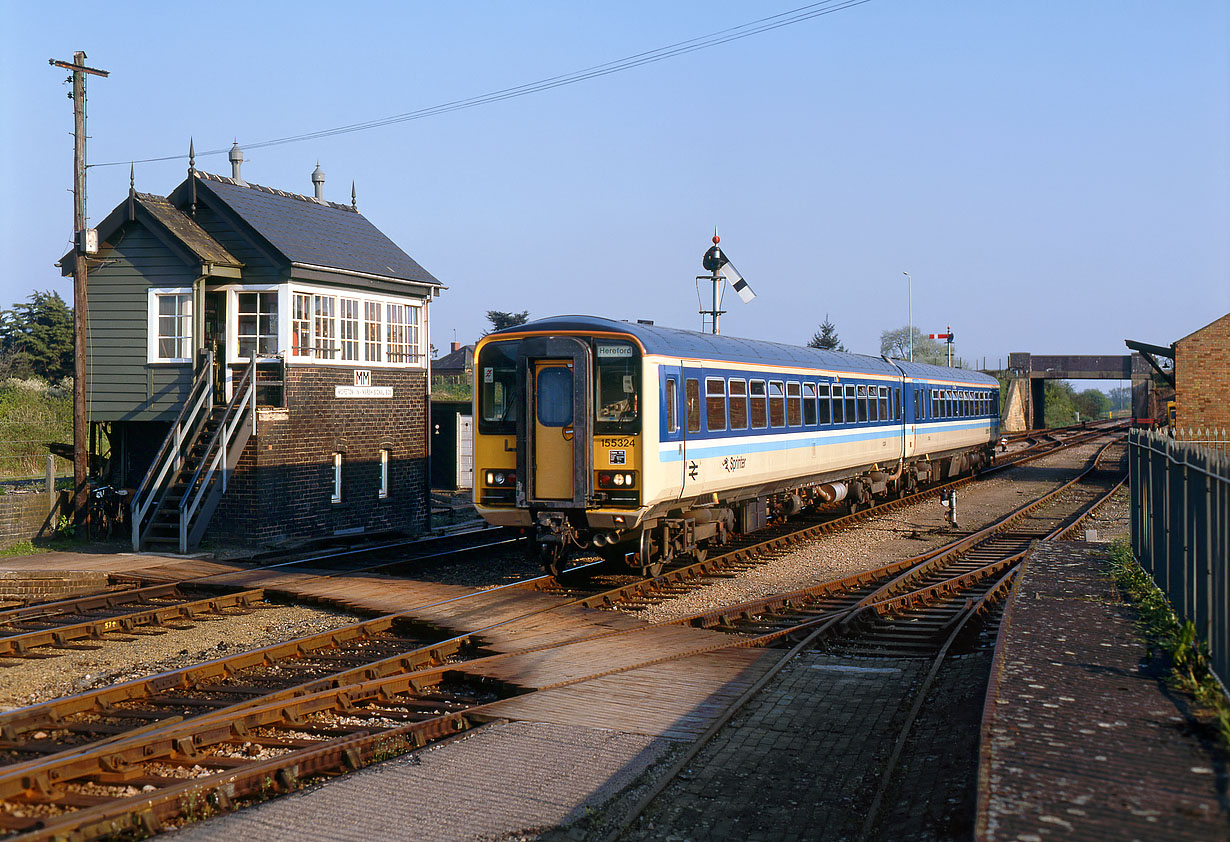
<point>1180,513</point>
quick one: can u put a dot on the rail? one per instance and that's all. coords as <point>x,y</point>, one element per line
<point>1180,516</point>
<point>241,408</point>
<point>149,494</point>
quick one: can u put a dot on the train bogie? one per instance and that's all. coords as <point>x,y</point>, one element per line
<point>640,443</point>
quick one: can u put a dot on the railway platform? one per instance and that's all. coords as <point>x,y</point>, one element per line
<point>1081,737</point>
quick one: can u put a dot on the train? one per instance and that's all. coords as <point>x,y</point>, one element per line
<point>641,443</point>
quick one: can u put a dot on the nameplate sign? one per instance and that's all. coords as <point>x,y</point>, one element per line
<point>362,391</point>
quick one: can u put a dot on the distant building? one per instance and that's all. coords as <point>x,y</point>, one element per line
<point>456,368</point>
<point>1202,377</point>
<point>335,316</point>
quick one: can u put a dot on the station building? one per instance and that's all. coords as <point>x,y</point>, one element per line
<point>1202,377</point>
<point>257,366</point>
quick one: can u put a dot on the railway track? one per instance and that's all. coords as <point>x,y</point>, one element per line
<point>118,763</point>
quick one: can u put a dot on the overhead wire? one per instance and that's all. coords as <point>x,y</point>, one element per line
<point>703,42</point>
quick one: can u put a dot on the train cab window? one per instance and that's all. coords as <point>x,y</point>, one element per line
<point>884,413</point>
<point>826,409</point>
<point>794,405</point>
<point>691,394</point>
<point>809,404</point>
<point>738,404</point>
<point>758,410</point>
<point>862,404</point>
<point>617,379</point>
<point>851,415</point>
<point>873,413</point>
<point>498,395</point>
<point>777,404</point>
<point>672,405</point>
<point>715,404</point>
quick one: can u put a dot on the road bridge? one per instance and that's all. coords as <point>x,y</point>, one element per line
<point>1025,407</point>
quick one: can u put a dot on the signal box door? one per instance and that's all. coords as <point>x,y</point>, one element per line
<point>555,435</point>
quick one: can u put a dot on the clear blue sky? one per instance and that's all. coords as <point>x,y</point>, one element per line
<point>1054,175</point>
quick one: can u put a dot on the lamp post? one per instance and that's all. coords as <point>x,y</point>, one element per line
<point>910,326</point>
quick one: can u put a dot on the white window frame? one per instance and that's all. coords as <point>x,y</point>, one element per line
<point>415,328</point>
<point>383,492</point>
<point>348,329</point>
<point>232,320</point>
<point>337,478</point>
<point>152,335</point>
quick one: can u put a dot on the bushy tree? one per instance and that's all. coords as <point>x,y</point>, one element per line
<point>1091,403</point>
<point>896,344</point>
<point>36,338</point>
<point>826,337</point>
<point>500,320</point>
<point>1059,398</point>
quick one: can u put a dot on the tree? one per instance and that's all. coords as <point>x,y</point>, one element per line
<point>896,344</point>
<point>826,337</point>
<point>1091,403</point>
<point>500,320</point>
<point>1059,397</point>
<point>36,338</point>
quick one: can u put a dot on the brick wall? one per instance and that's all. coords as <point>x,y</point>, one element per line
<point>24,517</point>
<point>1202,377</point>
<point>284,482</point>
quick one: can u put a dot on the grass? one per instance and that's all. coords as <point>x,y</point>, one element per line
<point>1176,639</point>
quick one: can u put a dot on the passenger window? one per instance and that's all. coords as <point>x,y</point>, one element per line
<point>826,410</point>
<point>738,404</point>
<point>777,404</point>
<point>873,405</point>
<point>935,403</point>
<point>897,403</point>
<point>794,408</point>
<point>862,404</point>
<point>850,413</point>
<point>760,416</point>
<point>672,421</point>
<point>691,394</point>
<point>809,404</point>
<point>884,415</point>
<point>715,404</point>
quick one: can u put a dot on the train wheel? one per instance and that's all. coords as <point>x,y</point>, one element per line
<point>650,558</point>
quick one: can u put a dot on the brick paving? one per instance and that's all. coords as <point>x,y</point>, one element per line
<point>1082,740</point>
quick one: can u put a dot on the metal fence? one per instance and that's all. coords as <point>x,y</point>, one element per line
<point>1180,492</point>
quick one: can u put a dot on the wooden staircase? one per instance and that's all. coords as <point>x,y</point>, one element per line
<point>189,477</point>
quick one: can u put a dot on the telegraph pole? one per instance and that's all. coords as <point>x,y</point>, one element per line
<point>80,422</point>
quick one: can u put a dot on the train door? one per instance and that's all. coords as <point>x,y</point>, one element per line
<point>692,379</point>
<point>556,428</point>
<point>670,426</point>
<point>913,395</point>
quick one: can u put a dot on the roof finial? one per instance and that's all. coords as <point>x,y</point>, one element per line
<point>318,182</point>
<point>192,173</point>
<point>132,191</point>
<point>236,159</point>
<point>354,199</point>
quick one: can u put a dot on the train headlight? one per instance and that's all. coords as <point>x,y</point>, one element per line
<point>619,479</point>
<point>500,479</point>
<point>628,479</point>
<point>612,479</point>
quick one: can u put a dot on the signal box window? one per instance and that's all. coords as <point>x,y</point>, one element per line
<point>174,327</point>
<point>738,404</point>
<point>826,409</point>
<point>672,398</point>
<point>498,395</point>
<point>809,404</point>
<point>258,323</point>
<point>759,412</point>
<point>691,395</point>
<point>715,403</point>
<point>618,380</point>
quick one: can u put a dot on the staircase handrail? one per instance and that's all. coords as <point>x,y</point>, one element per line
<point>215,451</point>
<point>200,397</point>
